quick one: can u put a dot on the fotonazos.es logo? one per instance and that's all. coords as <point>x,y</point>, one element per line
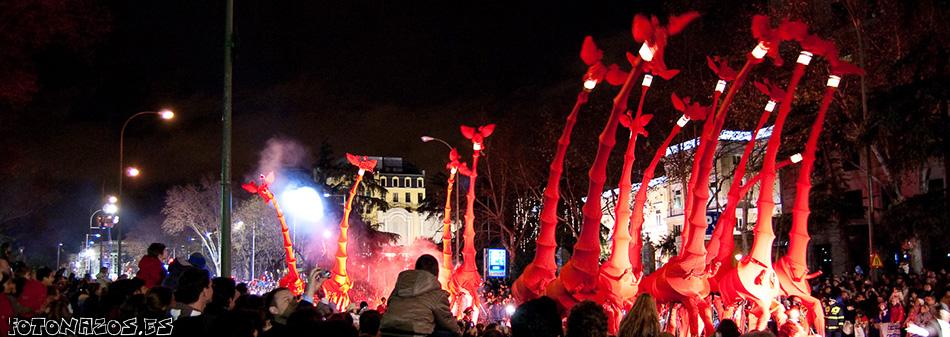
<point>88,326</point>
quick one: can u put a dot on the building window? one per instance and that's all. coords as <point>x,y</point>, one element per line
<point>395,182</point>
<point>382,181</point>
<point>419,198</point>
<point>395,197</point>
<point>676,207</point>
<point>853,205</point>
<point>408,182</point>
<point>408,199</point>
<point>419,183</point>
<point>935,185</point>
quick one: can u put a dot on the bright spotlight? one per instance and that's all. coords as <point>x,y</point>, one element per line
<point>303,203</point>
<point>112,199</point>
<point>110,208</point>
<point>510,309</point>
<point>326,234</point>
<point>132,171</point>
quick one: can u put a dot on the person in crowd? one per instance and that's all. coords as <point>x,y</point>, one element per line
<point>727,328</point>
<point>537,318</point>
<point>178,266</point>
<point>192,294</point>
<point>103,277</point>
<point>896,310</point>
<point>191,298</point>
<point>382,306</point>
<point>369,323</point>
<point>940,327</point>
<point>33,295</point>
<point>281,305</point>
<point>792,326</point>
<point>587,319</point>
<point>642,320</point>
<point>151,268</point>
<point>223,295</point>
<point>418,305</point>
<point>834,318</point>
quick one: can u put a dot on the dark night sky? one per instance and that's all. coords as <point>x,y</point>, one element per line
<point>370,77</point>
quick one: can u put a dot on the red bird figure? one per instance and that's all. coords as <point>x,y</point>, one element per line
<point>721,68</point>
<point>693,111</point>
<point>636,126</point>
<point>596,71</point>
<point>771,38</point>
<point>653,36</point>
<point>362,162</point>
<point>774,91</point>
<point>263,189</point>
<point>454,163</point>
<point>478,136</point>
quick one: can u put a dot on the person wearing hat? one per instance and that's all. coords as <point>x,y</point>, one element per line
<point>834,318</point>
<point>939,327</point>
<point>178,266</point>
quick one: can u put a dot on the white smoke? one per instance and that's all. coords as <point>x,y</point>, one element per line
<point>283,153</point>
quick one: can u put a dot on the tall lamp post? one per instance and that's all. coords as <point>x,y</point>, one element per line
<point>130,171</point>
<point>426,139</point>
<point>59,247</point>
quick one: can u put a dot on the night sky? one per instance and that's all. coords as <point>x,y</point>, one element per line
<point>368,77</point>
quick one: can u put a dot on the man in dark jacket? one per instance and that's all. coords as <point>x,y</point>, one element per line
<point>151,269</point>
<point>418,306</point>
<point>834,318</point>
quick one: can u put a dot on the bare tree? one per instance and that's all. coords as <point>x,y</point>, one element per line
<point>194,209</point>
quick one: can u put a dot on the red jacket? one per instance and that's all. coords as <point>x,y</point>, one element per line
<point>151,271</point>
<point>33,296</point>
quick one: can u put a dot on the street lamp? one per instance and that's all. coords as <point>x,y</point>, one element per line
<point>163,114</point>
<point>426,139</point>
<point>132,171</point>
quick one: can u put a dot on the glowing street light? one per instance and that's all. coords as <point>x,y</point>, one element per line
<point>112,199</point>
<point>132,171</point>
<point>164,114</point>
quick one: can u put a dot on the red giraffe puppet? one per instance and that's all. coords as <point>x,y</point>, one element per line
<point>542,270</point>
<point>465,279</point>
<point>722,243</point>
<point>791,269</point>
<point>753,279</point>
<point>690,112</point>
<point>617,283</point>
<point>292,279</point>
<point>445,275</point>
<point>666,284</point>
<point>338,286</point>
<point>579,276</point>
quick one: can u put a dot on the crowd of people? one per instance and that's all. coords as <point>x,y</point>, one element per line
<point>184,300</point>
<point>902,304</point>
